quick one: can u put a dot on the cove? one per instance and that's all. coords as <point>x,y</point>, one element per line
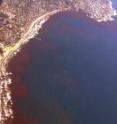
<point>67,74</point>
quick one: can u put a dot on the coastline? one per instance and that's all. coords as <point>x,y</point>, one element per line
<point>6,102</point>
<point>5,93</point>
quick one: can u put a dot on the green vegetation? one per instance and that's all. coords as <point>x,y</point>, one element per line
<point>3,15</point>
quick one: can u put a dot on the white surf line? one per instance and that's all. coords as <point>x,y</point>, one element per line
<point>6,112</point>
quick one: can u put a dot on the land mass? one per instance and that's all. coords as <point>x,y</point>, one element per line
<point>22,20</point>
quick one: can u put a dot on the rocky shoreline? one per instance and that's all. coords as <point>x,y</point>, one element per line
<point>16,16</point>
<point>6,102</point>
<point>14,24</point>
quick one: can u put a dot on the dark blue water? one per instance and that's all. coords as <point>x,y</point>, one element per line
<point>70,74</point>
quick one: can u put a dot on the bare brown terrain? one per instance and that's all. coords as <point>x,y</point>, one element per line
<point>16,16</point>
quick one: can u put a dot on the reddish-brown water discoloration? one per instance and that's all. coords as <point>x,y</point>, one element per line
<point>77,74</point>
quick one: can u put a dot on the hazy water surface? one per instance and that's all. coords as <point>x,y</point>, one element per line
<point>69,76</point>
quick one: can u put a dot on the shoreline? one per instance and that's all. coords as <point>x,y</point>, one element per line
<point>5,93</point>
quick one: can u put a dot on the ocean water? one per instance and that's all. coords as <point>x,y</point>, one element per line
<point>67,74</point>
<point>114,3</point>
